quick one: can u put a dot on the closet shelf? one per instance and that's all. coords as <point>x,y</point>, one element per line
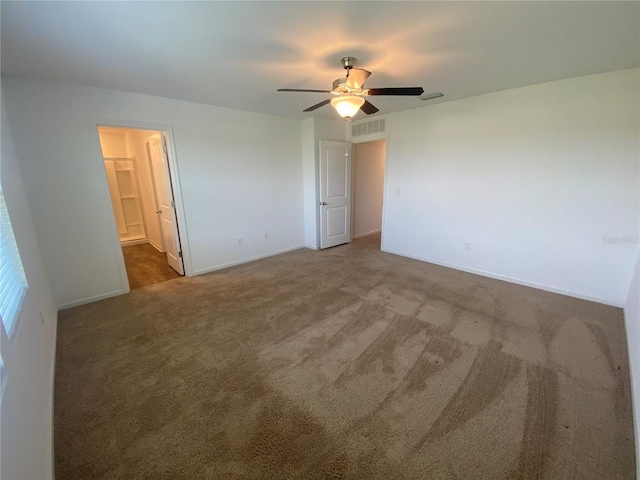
<point>125,191</point>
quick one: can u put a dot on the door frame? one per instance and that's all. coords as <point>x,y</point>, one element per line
<point>167,131</point>
<point>366,139</point>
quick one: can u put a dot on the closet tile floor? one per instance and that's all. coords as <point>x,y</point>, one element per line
<point>146,265</point>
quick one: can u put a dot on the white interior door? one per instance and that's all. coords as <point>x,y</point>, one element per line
<point>166,204</point>
<point>335,193</point>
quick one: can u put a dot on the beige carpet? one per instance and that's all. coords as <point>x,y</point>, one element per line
<point>343,363</point>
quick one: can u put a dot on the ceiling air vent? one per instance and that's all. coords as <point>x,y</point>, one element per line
<point>367,128</point>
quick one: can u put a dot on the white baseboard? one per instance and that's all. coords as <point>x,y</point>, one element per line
<point>156,246</point>
<point>506,278</point>
<point>138,241</point>
<point>373,232</point>
<point>91,299</point>
<point>246,260</point>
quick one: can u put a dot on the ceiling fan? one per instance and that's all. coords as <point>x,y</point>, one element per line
<point>349,92</point>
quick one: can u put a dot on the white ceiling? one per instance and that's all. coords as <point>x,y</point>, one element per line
<point>236,54</point>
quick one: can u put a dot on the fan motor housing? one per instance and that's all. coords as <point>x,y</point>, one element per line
<point>348,62</point>
<point>340,86</point>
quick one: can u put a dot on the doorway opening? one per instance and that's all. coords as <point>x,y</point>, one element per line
<point>369,164</point>
<point>139,177</point>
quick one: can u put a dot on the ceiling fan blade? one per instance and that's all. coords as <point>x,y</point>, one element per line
<point>408,91</point>
<point>356,78</point>
<point>317,105</point>
<point>302,90</point>
<point>431,96</point>
<point>368,108</point>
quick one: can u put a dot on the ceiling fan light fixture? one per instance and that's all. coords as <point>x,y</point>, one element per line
<point>347,106</point>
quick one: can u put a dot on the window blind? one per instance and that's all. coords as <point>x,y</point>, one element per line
<point>13,283</point>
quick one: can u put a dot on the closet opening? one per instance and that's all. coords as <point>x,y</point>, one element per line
<point>137,166</point>
<point>369,166</point>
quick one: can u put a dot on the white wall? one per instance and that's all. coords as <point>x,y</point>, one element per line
<point>309,180</point>
<point>314,130</point>
<point>27,402</point>
<point>240,173</point>
<point>368,181</point>
<point>113,144</point>
<point>533,178</point>
<point>632,322</point>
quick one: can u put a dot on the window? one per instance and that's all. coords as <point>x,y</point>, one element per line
<point>3,377</point>
<point>13,283</point>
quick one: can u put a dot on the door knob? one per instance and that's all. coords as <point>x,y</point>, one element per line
<point>324,203</point>
<point>158,211</point>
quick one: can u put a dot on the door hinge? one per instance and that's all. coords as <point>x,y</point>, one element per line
<point>180,254</point>
<point>164,147</point>
<point>173,204</point>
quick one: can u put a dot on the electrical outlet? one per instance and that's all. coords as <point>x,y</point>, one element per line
<point>266,236</point>
<point>467,246</point>
<point>239,241</point>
